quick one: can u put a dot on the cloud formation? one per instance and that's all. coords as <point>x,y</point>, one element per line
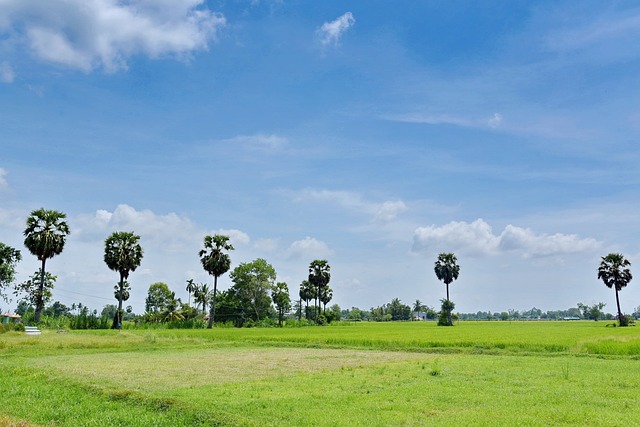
<point>236,237</point>
<point>259,142</point>
<point>477,239</point>
<point>3,181</point>
<point>7,75</point>
<point>169,233</point>
<point>87,34</point>
<point>380,212</point>
<point>331,32</point>
<point>310,248</point>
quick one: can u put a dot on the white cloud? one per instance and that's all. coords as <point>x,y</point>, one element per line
<point>495,121</point>
<point>87,34</point>
<point>261,142</point>
<point>3,181</point>
<point>266,245</point>
<point>477,238</point>
<point>236,237</point>
<point>7,75</point>
<point>331,32</point>
<point>492,122</point>
<point>389,210</point>
<point>379,212</point>
<point>169,233</point>
<point>310,248</point>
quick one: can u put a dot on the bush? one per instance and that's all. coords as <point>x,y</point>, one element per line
<point>18,327</point>
<point>626,320</point>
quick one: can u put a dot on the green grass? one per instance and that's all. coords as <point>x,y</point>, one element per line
<point>367,374</point>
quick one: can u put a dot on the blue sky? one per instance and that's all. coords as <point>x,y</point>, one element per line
<point>373,134</point>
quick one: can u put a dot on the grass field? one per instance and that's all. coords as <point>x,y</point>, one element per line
<point>366,374</point>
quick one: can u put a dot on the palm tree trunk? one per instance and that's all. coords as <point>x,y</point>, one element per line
<point>40,294</point>
<point>212,312</point>
<point>618,304</point>
<point>117,319</point>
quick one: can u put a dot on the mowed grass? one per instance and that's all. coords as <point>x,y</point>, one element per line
<point>407,374</point>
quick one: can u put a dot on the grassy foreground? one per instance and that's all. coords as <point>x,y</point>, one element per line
<point>373,374</point>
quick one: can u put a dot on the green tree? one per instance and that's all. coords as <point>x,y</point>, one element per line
<point>418,306</point>
<point>593,312</point>
<point>9,257</point>
<point>614,272</point>
<point>281,299</point>
<point>191,288</point>
<point>319,277</point>
<point>216,263</point>
<point>45,236</point>
<point>34,289</point>
<point>252,283</point>
<point>122,253</point>
<point>447,270</point>
<point>158,297</point>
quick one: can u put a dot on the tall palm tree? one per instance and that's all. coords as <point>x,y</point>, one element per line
<point>122,253</point>
<point>191,288</point>
<point>319,277</point>
<point>614,272</point>
<point>45,236</point>
<point>447,270</point>
<point>216,263</point>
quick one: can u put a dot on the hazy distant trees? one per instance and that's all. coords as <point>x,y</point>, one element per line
<point>45,236</point>
<point>215,262</point>
<point>592,312</point>
<point>614,272</point>
<point>122,253</point>
<point>447,270</point>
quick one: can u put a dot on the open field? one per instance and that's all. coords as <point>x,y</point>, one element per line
<point>374,374</point>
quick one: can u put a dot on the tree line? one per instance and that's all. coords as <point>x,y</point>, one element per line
<point>254,296</point>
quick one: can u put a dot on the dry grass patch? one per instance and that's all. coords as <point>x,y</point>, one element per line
<point>177,369</point>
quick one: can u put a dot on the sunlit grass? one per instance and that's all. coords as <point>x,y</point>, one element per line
<point>477,373</point>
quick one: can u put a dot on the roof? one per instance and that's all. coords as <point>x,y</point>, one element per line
<point>12,316</point>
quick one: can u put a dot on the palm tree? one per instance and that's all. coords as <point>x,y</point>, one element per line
<point>447,270</point>
<point>319,277</point>
<point>615,273</point>
<point>122,253</point>
<point>306,294</point>
<point>191,288</point>
<point>326,295</point>
<point>202,296</point>
<point>216,263</point>
<point>45,236</point>
<point>172,311</point>
<point>418,306</point>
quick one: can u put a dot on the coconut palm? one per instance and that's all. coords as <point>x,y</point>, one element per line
<point>45,237</point>
<point>122,253</point>
<point>614,272</point>
<point>447,270</point>
<point>216,263</point>
<point>172,311</point>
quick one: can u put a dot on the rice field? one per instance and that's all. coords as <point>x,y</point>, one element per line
<point>364,374</point>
